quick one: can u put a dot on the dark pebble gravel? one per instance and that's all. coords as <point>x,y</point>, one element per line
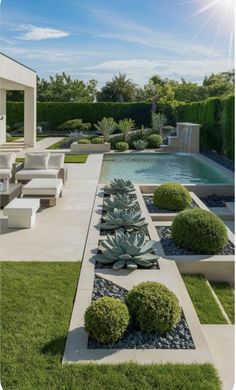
<point>222,160</point>
<point>216,200</point>
<point>178,338</point>
<point>153,209</point>
<point>171,249</point>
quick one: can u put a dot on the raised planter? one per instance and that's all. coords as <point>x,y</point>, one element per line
<point>90,148</point>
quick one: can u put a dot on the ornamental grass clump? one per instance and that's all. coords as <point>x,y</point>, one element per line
<point>106,319</point>
<point>127,219</point>
<point>120,186</point>
<point>126,250</point>
<point>119,201</point>
<point>171,196</point>
<point>153,307</point>
<point>199,231</point>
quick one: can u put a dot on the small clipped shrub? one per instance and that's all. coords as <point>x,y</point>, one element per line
<point>106,319</point>
<point>199,231</point>
<point>122,146</point>
<point>84,141</point>
<point>154,141</point>
<point>171,196</point>
<point>97,140</point>
<point>153,307</point>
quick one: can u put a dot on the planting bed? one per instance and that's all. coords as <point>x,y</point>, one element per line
<point>171,249</point>
<point>153,209</point>
<point>178,338</point>
<point>217,200</point>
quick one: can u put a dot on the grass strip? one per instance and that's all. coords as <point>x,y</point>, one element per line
<point>59,145</point>
<point>204,303</point>
<point>69,158</point>
<point>225,293</point>
<point>37,300</point>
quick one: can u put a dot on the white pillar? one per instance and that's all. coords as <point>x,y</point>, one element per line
<point>3,123</point>
<point>30,116</point>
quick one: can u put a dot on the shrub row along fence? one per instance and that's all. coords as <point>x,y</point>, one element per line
<point>216,116</point>
<point>57,113</point>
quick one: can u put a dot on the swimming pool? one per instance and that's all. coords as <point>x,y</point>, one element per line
<point>161,167</point>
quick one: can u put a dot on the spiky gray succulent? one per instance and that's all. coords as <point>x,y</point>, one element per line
<point>140,144</point>
<point>127,250</point>
<point>128,219</point>
<point>119,201</point>
<point>120,186</point>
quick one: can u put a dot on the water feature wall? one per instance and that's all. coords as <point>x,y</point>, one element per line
<point>186,140</point>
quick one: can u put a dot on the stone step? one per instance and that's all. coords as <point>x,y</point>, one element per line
<point>223,212</point>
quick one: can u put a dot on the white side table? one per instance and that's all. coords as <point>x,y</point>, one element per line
<point>21,213</point>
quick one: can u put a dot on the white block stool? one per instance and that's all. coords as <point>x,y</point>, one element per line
<point>21,213</point>
<point>49,189</point>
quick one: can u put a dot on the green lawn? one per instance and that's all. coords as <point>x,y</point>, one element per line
<point>225,293</point>
<point>69,158</point>
<point>58,145</point>
<point>205,305</point>
<point>37,300</point>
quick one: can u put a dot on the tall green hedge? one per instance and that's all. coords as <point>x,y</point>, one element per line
<point>216,116</point>
<point>57,113</point>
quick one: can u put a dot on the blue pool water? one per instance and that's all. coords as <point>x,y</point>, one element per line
<point>159,168</point>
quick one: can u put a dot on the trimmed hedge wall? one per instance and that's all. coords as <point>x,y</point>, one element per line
<point>216,116</point>
<point>57,113</point>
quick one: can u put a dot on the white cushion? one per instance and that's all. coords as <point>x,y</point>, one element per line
<point>36,160</point>
<point>28,174</point>
<point>44,187</point>
<point>5,174</point>
<point>6,160</point>
<point>56,160</point>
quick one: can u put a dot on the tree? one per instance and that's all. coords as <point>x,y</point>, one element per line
<point>119,89</point>
<point>219,84</point>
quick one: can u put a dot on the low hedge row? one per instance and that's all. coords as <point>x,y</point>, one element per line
<point>56,113</point>
<point>216,116</point>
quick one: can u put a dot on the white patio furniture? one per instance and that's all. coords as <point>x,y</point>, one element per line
<point>7,160</point>
<point>42,165</point>
<point>21,213</point>
<point>49,189</point>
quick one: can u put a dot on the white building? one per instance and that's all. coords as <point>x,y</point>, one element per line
<point>17,77</point>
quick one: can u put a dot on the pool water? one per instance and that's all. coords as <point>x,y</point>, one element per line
<point>159,168</point>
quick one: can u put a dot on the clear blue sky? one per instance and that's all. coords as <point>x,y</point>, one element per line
<point>98,38</point>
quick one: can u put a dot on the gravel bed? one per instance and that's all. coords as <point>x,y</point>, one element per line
<point>178,338</point>
<point>222,160</point>
<point>153,209</point>
<point>216,200</point>
<point>171,249</point>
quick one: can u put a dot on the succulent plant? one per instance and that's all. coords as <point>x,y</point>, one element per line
<point>120,186</point>
<point>127,250</point>
<point>119,201</point>
<point>129,220</point>
<point>140,144</point>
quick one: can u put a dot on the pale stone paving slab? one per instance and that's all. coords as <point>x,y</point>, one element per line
<point>61,231</point>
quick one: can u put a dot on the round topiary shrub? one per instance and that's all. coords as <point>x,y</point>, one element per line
<point>106,319</point>
<point>84,141</point>
<point>98,140</point>
<point>153,307</point>
<point>199,231</point>
<point>122,146</point>
<point>154,141</point>
<point>171,196</point>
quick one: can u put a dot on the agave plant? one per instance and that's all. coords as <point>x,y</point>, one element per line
<point>128,219</point>
<point>120,186</point>
<point>140,144</point>
<point>127,250</point>
<point>119,201</point>
<point>106,126</point>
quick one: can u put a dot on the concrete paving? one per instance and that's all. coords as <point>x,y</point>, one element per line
<point>41,145</point>
<point>60,232</point>
<point>220,339</point>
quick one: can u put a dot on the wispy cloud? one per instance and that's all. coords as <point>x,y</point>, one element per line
<point>33,33</point>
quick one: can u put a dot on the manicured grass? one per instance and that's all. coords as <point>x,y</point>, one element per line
<point>13,138</point>
<point>58,145</point>
<point>37,300</point>
<point>205,305</point>
<point>69,158</point>
<point>225,293</point>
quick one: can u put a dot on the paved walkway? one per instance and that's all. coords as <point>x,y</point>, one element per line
<point>60,232</point>
<point>41,145</point>
<point>220,339</point>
